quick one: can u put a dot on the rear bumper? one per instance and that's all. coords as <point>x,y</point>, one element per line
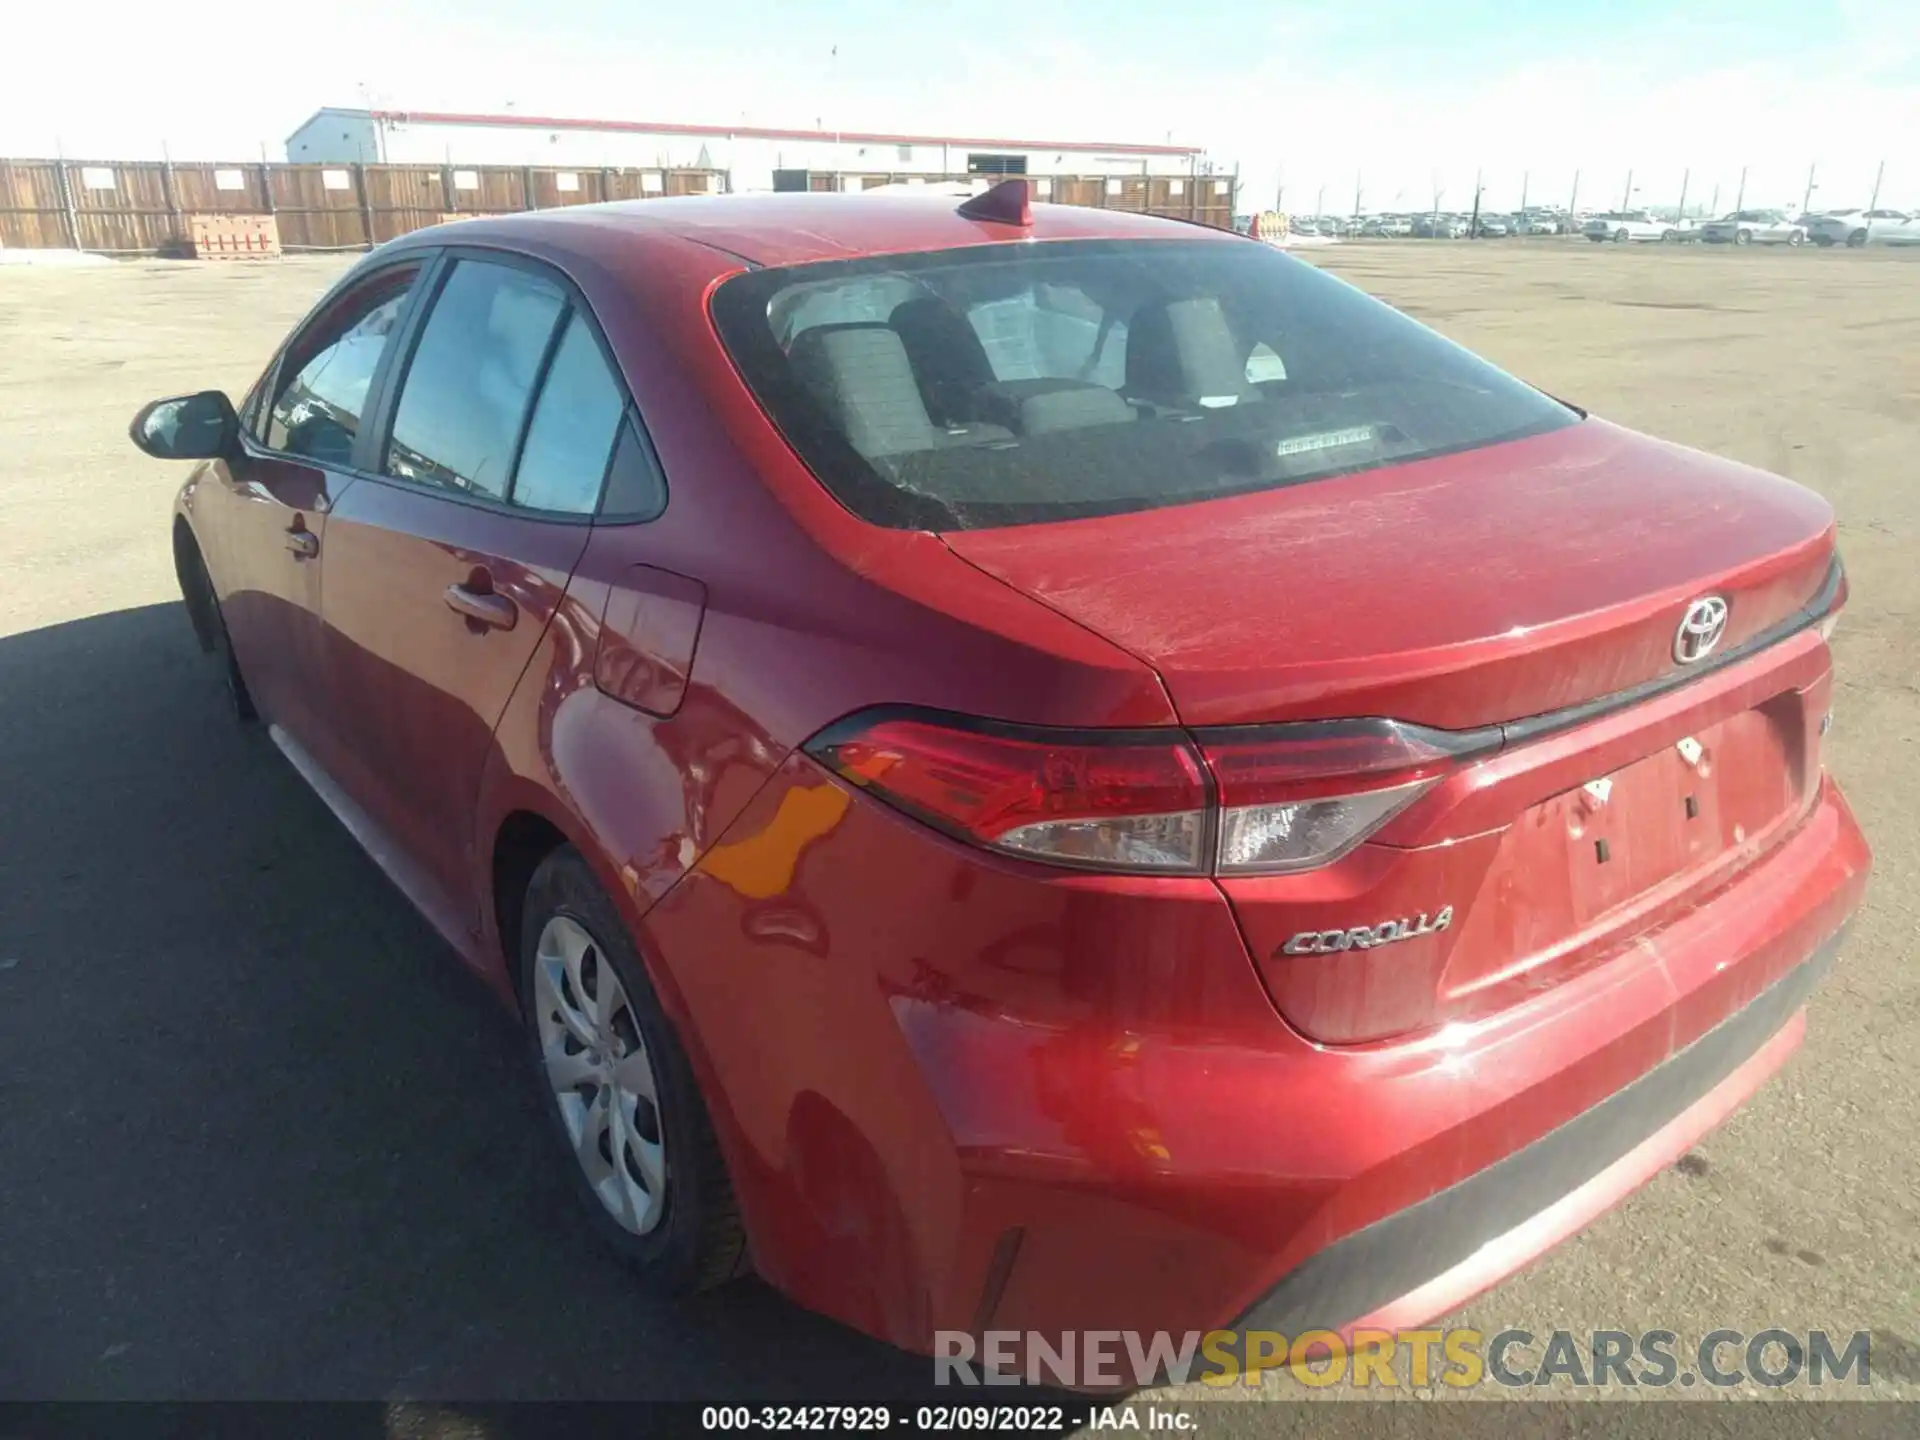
<point>1432,1255</point>
<point>1327,1188</point>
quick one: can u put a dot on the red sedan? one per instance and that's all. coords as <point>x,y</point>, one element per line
<point>1036,770</point>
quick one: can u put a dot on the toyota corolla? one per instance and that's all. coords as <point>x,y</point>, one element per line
<point>1035,768</point>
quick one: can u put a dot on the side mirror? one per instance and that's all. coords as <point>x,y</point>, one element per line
<point>187,427</point>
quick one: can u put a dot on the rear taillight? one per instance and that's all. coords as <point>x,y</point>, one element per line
<point>1109,803</point>
<point>1836,604</point>
<point>1295,796</point>
<point>1253,800</point>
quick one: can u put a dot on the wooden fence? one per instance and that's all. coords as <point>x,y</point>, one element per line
<point>1207,199</point>
<point>139,207</point>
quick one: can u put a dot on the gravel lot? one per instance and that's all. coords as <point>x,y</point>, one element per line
<point>259,1137</point>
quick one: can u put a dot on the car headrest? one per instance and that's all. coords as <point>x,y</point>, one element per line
<point>1183,352</point>
<point>859,373</point>
<point>948,359</point>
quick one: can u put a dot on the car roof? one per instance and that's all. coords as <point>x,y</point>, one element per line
<point>798,228</point>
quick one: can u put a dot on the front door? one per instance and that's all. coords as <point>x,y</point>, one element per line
<point>265,516</point>
<point>443,573</point>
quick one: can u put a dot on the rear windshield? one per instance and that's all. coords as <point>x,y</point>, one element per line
<point>1009,384</point>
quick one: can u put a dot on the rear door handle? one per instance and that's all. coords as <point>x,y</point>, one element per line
<point>494,611</point>
<point>303,543</point>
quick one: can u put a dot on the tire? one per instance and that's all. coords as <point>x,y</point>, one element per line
<point>1796,239</point>
<point>1825,242</point>
<point>693,1239</point>
<point>1743,237</point>
<point>211,626</point>
<point>1596,239</point>
<point>1620,237</point>
<point>1669,237</point>
<point>1857,240</point>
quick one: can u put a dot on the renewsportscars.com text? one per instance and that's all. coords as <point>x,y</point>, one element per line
<point>1411,1359</point>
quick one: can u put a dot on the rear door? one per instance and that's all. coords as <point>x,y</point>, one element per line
<point>444,568</point>
<point>265,521</point>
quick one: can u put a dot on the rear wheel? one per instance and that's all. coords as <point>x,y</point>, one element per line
<point>1743,237</point>
<point>626,1112</point>
<point>1795,238</point>
<point>1825,242</point>
<point>1857,239</point>
<point>1620,237</point>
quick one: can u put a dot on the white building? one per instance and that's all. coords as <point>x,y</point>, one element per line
<point>751,153</point>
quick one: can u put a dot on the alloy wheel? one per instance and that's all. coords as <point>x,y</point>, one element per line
<point>602,1077</point>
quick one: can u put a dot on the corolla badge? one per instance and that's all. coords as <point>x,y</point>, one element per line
<point>1700,629</point>
<point>1365,937</point>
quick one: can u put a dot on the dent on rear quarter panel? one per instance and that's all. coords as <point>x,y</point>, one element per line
<point>890,1019</point>
<point>639,794</point>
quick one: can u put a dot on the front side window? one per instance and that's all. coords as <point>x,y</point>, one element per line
<point>464,402</point>
<point>1009,384</point>
<point>328,370</point>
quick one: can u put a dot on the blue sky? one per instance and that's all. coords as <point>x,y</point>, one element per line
<point>1410,97</point>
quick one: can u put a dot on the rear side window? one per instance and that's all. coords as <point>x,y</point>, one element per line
<point>574,424</point>
<point>464,402</point>
<point>636,487</point>
<point>324,378</point>
<point>1011,384</point>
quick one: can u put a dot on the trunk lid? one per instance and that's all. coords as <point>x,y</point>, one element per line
<point>1509,586</point>
<point>1460,591</point>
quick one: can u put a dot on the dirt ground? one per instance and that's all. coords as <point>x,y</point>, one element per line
<point>119,818</point>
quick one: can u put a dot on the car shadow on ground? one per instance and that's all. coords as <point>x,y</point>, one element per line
<point>260,1135</point>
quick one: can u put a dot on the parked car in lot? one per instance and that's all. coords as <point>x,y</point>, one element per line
<point>1865,227</point>
<point>1754,227</point>
<point>900,721</point>
<point>1494,226</point>
<point>1539,225</point>
<point>1621,226</point>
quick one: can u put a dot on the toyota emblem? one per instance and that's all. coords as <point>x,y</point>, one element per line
<point>1700,629</point>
